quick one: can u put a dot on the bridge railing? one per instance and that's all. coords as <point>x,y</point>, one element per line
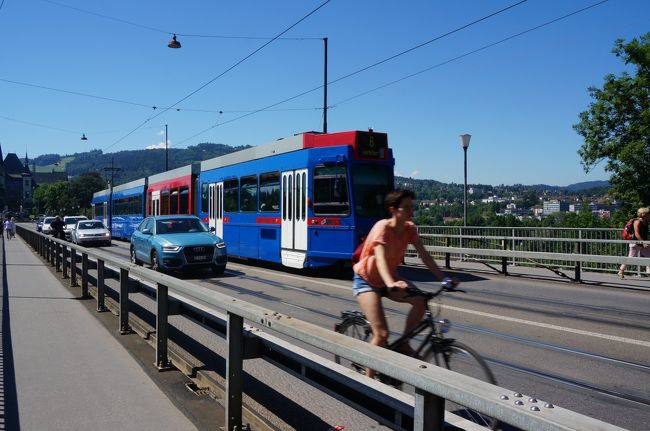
<point>227,316</point>
<point>603,249</point>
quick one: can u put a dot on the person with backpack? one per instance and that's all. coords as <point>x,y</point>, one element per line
<point>639,232</point>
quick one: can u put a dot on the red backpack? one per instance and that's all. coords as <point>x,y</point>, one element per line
<point>356,256</point>
<point>628,229</point>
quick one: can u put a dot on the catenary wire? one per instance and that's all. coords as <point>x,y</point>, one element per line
<point>484,47</point>
<point>363,69</point>
<point>222,73</point>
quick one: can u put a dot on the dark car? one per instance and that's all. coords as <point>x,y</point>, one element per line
<point>177,242</point>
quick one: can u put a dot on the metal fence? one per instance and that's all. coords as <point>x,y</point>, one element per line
<point>547,240</point>
<point>433,385</point>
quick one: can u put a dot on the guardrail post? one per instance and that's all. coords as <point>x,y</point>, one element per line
<point>125,328</point>
<point>162,332</point>
<point>234,372</point>
<point>84,275</point>
<point>101,292</point>
<point>504,259</point>
<point>64,257</point>
<point>429,412</point>
<point>448,254</point>
<point>57,257</point>
<point>73,268</point>
<point>52,252</point>
<point>579,250</point>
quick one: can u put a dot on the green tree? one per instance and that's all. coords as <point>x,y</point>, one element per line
<point>616,126</point>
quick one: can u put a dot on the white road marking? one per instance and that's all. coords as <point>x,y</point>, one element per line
<point>481,313</point>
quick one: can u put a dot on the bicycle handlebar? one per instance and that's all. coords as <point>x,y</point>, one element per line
<point>447,285</point>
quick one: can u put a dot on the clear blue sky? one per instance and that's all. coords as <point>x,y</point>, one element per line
<point>517,99</point>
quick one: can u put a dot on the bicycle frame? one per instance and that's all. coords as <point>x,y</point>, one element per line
<point>431,338</point>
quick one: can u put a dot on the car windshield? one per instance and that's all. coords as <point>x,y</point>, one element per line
<point>48,219</point>
<point>179,225</point>
<point>73,220</point>
<point>90,225</point>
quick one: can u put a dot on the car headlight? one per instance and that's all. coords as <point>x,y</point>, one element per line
<point>107,234</point>
<point>220,244</point>
<point>82,235</point>
<point>171,247</point>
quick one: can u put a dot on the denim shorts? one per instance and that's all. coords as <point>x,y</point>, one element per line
<point>359,285</point>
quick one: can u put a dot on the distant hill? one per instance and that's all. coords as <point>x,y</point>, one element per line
<point>132,164</point>
<point>587,185</point>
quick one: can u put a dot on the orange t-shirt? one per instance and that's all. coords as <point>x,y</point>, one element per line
<point>394,249</point>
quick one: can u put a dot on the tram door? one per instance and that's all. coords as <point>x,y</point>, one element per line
<point>294,218</point>
<point>155,203</point>
<point>215,203</point>
<point>101,212</point>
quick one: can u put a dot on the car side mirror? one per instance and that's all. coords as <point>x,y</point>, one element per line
<point>212,229</point>
<point>146,231</point>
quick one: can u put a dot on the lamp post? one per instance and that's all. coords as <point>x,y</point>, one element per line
<point>112,170</point>
<point>166,158</point>
<point>464,142</point>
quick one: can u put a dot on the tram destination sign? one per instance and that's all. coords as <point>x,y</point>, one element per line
<point>371,145</point>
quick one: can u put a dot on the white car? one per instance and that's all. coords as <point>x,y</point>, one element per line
<point>87,232</point>
<point>70,222</point>
<point>46,225</point>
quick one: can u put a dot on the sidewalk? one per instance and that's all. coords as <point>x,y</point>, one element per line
<point>59,368</point>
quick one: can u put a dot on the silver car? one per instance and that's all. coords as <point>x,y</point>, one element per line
<point>45,228</point>
<point>70,222</point>
<point>87,232</point>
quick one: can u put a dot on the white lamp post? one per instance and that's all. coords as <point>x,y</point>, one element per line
<point>464,142</point>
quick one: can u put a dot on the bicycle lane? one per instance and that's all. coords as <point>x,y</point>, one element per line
<point>61,369</point>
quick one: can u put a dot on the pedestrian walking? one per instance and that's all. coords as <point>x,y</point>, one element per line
<point>10,227</point>
<point>640,234</point>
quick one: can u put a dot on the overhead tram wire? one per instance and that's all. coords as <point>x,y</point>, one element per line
<point>484,47</point>
<point>360,70</point>
<point>221,74</point>
<point>127,102</point>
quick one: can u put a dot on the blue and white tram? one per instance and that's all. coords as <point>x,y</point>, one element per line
<point>304,201</point>
<point>128,207</point>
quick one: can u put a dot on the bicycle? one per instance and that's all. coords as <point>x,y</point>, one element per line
<point>434,348</point>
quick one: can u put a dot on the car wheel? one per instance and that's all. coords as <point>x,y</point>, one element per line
<point>218,269</point>
<point>155,263</point>
<point>134,259</point>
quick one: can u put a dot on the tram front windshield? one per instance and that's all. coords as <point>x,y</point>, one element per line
<point>371,184</point>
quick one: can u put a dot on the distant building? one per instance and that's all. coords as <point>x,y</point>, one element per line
<point>555,206</point>
<point>17,183</point>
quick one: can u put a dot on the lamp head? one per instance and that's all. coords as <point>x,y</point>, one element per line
<point>174,43</point>
<point>464,140</point>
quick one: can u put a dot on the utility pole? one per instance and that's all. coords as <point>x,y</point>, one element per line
<point>112,170</point>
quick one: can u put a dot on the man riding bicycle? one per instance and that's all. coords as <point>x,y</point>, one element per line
<point>375,275</point>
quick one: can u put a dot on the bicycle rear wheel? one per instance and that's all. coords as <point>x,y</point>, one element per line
<point>358,328</point>
<point>462,359</point>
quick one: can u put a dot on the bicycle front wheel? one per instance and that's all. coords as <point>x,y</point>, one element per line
<point>356,328</point>
<point>462,359</point>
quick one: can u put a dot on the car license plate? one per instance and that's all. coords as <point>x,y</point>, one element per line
<point>201,257</point>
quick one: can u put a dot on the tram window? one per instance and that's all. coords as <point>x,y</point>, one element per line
<point>204,197</point>
<point>173,201</point>
<point>164,202</point>
<point>370,184</point>
<point>248,194</point>
<point>184,201</point>
<point>231,195</point>
<point>270,192</point>
<point>331,190</point>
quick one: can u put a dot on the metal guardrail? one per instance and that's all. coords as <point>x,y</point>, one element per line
<point>599,250</point>
<point>432,384</point>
